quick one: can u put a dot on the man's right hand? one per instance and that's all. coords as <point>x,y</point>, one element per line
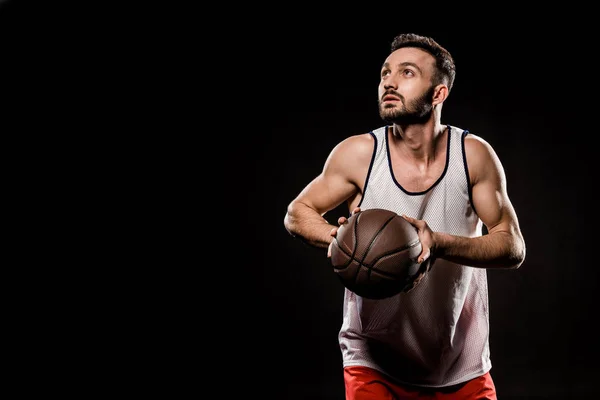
<point>333,233</point>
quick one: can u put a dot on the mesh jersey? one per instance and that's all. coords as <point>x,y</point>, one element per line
<point>437,334</point>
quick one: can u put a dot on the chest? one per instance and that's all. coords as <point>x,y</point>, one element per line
<point>418,177</point>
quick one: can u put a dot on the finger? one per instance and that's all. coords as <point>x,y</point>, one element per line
<point>418,278</point>
<point>356,210</point>
<point>342,220</point>
<point>409,219</point>
<point>413,221</point>
<point>416,282</point>
<point>424,255</point>
<point>333,232</point>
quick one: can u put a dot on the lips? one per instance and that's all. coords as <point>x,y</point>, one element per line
<point>390,98</point>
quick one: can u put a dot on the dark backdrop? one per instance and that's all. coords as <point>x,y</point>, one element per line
<point>313,83</point>
<point>289,86</point>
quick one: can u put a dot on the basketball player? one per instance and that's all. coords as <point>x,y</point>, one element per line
<point>433,341</point>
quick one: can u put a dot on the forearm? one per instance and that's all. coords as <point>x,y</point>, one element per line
<point>306,224</point>
<point>494,250</point>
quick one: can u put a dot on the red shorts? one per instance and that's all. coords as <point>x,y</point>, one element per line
<point>367,384</point>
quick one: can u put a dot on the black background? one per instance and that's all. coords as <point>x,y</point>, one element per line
<point>526,91</point>
<point>282,88</point>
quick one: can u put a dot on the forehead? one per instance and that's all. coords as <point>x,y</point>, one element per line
<point>412,55</point>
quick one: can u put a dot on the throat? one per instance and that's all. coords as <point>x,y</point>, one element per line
<point>418,175</point>
<point>415,180</point>
<point>418,163</point>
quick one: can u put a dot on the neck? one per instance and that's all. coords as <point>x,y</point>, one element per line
<point>419,142</point>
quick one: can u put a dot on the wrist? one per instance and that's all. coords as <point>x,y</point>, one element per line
<point>438,243</point>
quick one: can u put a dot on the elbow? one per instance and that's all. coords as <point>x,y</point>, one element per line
<point>287,224</point>
<point>516,261</point>
<point>288,221</point>
<point>517,257</point>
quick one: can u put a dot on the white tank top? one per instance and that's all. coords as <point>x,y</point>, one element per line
<point>437,334</point>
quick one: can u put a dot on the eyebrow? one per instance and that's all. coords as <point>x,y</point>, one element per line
<point>404,64</point>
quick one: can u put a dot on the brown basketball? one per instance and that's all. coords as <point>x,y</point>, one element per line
<point>375,254</point>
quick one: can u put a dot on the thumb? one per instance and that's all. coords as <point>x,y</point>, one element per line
<point>409,219</point>
<point>425,254</point>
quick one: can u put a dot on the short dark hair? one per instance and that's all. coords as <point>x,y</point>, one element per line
<point>444,63</point>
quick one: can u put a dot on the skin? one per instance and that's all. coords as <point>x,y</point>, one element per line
<point>417,150</point>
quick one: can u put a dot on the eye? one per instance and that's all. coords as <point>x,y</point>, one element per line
<point>408,72</point>
<point>385,73</point>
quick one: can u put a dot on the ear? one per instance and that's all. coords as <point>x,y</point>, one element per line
<point>440,93</point>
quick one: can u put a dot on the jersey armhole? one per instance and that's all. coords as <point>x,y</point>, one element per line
<point>466,166</point>
<point>375,146</point>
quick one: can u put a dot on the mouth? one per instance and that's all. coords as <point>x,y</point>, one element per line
<point>389,97</point>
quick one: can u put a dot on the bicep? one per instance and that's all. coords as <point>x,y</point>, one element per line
<point>493,205</point>
<point>325,192</point>
<point>340,178</point>
<point>490,196</point>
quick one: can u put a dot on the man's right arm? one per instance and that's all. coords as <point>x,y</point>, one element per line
<point>341,179</point>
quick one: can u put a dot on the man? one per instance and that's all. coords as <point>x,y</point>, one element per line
<point>448,183</point>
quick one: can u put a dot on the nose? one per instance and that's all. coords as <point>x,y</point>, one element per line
<point>389,83</point>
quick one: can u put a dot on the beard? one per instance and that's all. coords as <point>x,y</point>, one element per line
<point>416,111</point>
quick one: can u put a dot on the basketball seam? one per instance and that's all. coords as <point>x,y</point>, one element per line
<point>351,255</point>
<point>406,247</point>
<point>370,268</point>
<point>383,273</point>
<point>355,247</point>
<point>361,263</point>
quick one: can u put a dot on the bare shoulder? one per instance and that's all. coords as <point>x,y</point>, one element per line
<point>352,157</point>
<point>476,144</point>
<point>359,144</point>
<point>481,157</point>
<point>353,149</point>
